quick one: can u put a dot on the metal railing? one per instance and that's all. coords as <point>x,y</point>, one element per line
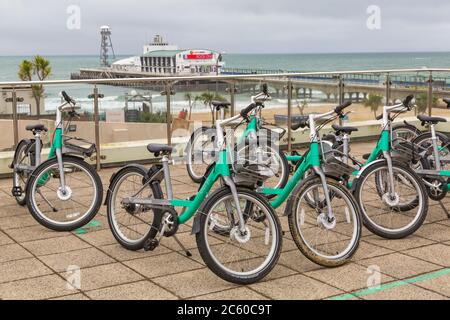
<point>388,79</point>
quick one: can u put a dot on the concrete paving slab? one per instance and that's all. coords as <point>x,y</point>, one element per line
<point>37,288</point>
<point>11,252</point>
<point>22,269</point>
<point>438,254</point>
<point>162,265</point>
<point>399,265</point>
<point>193,283</point>
<point>400,244</point>
<point>121,254</point>
<point>142,290</point>
<point>58,245</point>
<point>233,294</point>
<point>297,287</point>
<point>349,277</point>
<point>83,258</point>
<point>105,276</point>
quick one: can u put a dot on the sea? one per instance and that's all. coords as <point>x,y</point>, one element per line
<point>114,97</point>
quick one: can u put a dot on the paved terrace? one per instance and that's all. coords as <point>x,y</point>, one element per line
<point>34,262</point>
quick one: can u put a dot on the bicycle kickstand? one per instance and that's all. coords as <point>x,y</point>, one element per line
<point>445,209</point>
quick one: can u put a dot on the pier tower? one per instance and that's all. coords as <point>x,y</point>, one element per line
<point>106,46</point>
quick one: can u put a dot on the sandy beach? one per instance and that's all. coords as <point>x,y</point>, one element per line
<point>359,112</point>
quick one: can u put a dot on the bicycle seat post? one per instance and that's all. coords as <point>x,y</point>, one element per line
<point>169,190</point>
<point>434,140</point>
<point>37,148</point>
<point>346,140</point>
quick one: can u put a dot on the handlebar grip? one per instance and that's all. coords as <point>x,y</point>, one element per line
<point>408,100</point>
<point>67,98</point>
<point>342,107</point>
<point>302,124</point>
<point>380,117</point>
<point>246,111</point>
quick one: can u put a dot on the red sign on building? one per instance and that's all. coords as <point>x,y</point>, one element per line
<point>199,56</point>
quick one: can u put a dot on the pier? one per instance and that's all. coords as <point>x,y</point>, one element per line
<point>355,87</point>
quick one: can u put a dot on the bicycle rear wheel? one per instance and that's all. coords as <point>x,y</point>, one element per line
<point>132,224</point>
<point>384,215</point>
<point>20,177</point>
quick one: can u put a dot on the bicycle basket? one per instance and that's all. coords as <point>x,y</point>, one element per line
<point>333,160</point>
<point>253,165</point>
<point>78,146</point>
<point>403,149</point>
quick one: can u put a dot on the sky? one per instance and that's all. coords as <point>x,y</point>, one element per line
<point>55,27</point>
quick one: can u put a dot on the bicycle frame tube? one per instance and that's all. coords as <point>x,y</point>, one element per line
<point>57,144</point>
<point>221,169</point>
<point>382,146</point>
<point>312,159</point>
<point>251,127</point>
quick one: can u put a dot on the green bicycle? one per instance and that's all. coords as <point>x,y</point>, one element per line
<point>140,216</point>
<point>392,197</point>
<point>65,192</point>
<point>324,218</point>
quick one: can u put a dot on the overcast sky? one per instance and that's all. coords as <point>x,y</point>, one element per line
<point>234,26</point>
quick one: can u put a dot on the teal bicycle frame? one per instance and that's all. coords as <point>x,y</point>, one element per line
<point>312,159</point>
<point>221,169</point>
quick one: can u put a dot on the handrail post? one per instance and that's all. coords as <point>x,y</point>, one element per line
<point>341,89</point>
<point>341,94</point>
<point>388,88</point>
<point>233,98</point>
<point>97,129</point>
<point>15,119</point>
<point>289,114</point>
<point>168,91</point>
<point>430,94</point>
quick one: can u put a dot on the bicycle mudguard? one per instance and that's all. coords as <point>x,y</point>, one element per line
<point>368,166</point>
<point>140,167</point>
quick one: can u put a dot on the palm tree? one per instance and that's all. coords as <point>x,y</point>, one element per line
<point>374,101</point>
<point>208,97</point>
<point>192,99</point>
<point>422,103</point>
<point>40,67</point>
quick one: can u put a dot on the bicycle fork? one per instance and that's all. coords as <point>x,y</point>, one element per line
<point>391,186</point>
<point>330,219</point>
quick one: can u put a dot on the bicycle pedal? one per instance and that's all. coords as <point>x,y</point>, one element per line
<point>17,191</point>
<point>151,245</point>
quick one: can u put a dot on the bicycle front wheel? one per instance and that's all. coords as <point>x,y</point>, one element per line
<point>69,209</point>
<point>239,257</point>
<point>329,243</point>
<point>384,214</point>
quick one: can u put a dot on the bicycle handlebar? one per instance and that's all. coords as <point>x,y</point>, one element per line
<point>342,107</point>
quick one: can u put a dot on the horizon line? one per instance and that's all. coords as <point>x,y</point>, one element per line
<point>231,53</point>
